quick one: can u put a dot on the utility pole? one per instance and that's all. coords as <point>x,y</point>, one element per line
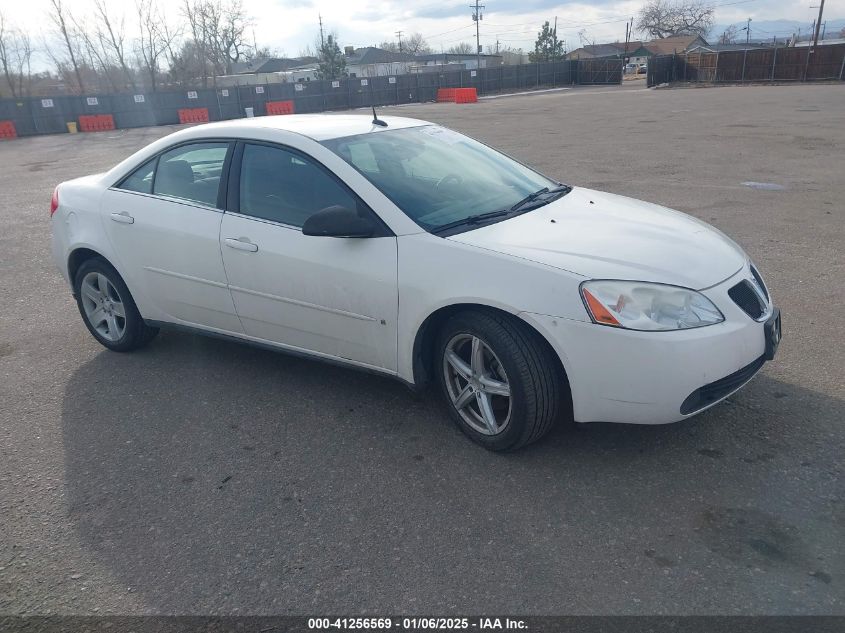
<point>627,38</point>
<point>818,25</point>
<point>554,42</point>
<point>476,17</point>
<point>322,41</point>
<point>399,35</point>
<point>748,31</point>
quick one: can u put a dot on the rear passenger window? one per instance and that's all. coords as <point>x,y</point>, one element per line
<point>140,180</point>
<point>285,187</point>
<point>191,172</point>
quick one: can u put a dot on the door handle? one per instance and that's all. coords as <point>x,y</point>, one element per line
<point>123,218</point>
<point>241,244</point>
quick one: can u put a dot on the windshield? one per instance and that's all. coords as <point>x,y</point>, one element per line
<point>436,176</point>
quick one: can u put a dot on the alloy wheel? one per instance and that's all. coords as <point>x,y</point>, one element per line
<point>477,384</point>
<point>103,306</point>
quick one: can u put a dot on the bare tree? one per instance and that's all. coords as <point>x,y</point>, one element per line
<point>70,45</point>
<point>461,49</point>
<point>111,34</point>
<point>416,45</point>
<point>231,42</point>
<point>729,35</point>
<point>154,39</point>
<point>98,59</point>
<point>219,29</point>
<point>667,18</point>
<point>15,57</point>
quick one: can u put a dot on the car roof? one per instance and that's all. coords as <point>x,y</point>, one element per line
<point>319,127</point>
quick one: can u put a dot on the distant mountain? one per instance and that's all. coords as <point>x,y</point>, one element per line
<point>765,30</point>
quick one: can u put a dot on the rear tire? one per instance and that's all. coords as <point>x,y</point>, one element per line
<point>500,382</point>
<point>107,307</point>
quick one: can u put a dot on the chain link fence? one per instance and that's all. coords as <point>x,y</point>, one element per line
<point>784,64</point>
<point>50,115</point>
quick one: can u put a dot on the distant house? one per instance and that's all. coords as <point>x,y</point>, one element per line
<point>270,65</point>
<point>469,60</point>
<point>676,44</point>
<point>597,51</point>
<point>825,42</point>
<point>637,53</point>
<point>376,62</point>
<point>716,48</point>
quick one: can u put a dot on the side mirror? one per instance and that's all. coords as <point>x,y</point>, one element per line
<point>337,221</point>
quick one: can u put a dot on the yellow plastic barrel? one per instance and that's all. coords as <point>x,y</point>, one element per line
<point>71,127</point>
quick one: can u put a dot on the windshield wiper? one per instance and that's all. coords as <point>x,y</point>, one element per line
<point>472,219</point>
<point>518,207</point>
<point>545,191</point>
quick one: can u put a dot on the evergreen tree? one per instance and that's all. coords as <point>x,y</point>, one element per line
<point>332,63</point>
<point>547,48</point>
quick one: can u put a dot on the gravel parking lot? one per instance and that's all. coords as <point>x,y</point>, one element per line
<point>200,476</point>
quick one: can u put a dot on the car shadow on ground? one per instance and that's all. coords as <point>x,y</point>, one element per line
<point>212,476</point>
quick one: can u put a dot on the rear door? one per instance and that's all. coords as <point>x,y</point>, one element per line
<point>164,224</point>
<point>336,297</point>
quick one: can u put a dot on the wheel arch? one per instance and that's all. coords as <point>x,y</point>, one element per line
<point>79,256</point>
<point>426,335</point>
<point>83,253</point>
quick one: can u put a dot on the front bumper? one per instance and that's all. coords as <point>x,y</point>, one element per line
<point>627,376</point>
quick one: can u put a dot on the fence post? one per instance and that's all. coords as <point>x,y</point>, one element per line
<point>807,63</point>
<point>842,67</point>
<point>716,70</point>
<point>774,63</point>
<point>744,57</point>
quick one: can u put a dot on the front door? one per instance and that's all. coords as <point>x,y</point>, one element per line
<point>332,296</point>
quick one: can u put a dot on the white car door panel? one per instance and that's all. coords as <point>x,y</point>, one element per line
<point>332,296</point>
<point>169,247</point>
<point>172,250</point>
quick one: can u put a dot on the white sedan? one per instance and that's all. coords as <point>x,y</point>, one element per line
<point>405,248</point>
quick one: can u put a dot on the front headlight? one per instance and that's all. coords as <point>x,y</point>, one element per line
<point>639,305</point>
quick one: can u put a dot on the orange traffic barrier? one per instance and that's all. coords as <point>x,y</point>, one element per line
<point>279,107</point>
<point>193,115</point>
<point>7,129</point>
<point>466,95</point>
<point>96,122</point>
<point>457,95</point>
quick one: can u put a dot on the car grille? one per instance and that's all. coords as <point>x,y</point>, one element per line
<point>759,281</point>
<point>747,298</point>
<point>710,393</point>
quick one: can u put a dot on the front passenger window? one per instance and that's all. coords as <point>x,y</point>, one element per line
<point>191,172</point>
<point>286,187</point>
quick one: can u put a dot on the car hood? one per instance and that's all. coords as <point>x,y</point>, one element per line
<point>605,236</point>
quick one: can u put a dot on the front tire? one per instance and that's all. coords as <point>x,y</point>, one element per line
<point>107,307</point>
<point>500,382</point>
